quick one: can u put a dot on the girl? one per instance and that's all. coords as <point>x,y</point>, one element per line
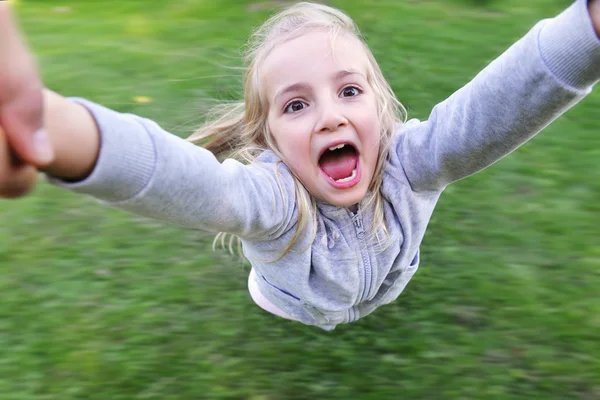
<point>327,187</point>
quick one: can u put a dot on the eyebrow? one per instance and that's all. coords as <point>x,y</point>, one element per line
<point>296,87</point>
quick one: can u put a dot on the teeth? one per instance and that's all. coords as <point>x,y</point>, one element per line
<point>339,146</point>
<point>352,176</point>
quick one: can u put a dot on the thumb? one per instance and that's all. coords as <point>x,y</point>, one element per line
<point>21,97</point>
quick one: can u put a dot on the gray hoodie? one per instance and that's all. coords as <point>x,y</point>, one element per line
<point>338,274</point>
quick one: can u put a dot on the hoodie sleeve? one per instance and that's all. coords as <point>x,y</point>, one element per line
<point>145,170</point>
<point>535,81</point>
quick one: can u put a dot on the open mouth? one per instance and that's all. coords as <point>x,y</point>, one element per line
<point>340,165</point>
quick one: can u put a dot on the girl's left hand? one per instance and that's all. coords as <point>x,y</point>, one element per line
<point>594,8</point>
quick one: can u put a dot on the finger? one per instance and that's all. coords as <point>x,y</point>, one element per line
<point>16,63</point>
<point>21,101</point>
<point>14,158</point>
<point>19,183</point>
<point>16,178</point>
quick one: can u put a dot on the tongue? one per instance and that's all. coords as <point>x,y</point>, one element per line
<point>338,164</point>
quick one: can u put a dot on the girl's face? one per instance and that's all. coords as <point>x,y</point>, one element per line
<point>323,114</point>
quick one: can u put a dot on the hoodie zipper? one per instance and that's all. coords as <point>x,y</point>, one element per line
<point>360,231</point>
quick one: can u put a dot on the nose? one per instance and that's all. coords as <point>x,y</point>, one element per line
<point>331,117</point>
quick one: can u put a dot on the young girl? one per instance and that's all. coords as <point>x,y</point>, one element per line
<point>335,190</point>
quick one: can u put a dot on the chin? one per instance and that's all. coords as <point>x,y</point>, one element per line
<point>347,199</point>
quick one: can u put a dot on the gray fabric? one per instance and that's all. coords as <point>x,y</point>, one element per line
<point>335,275</point>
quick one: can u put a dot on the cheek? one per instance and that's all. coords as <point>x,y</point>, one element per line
<point>370,127</point>
<point>278,137</point>
<point>290,135</point>
<point>291,141</point>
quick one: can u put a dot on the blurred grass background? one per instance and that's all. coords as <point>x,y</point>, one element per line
<point>99,304</point>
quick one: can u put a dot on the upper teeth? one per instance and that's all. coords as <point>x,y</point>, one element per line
<point>339,146</point>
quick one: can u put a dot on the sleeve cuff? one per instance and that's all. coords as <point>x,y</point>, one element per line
<point>570,47</point>
<point>126,160</point>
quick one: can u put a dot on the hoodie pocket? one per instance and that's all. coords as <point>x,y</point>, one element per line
<point>282,290</point>
<point>300,310</point>
<point>396,281</point>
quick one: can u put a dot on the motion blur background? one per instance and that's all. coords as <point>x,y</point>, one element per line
<point>99,304</point>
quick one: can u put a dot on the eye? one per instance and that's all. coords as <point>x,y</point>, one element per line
<point>295,106</point>
<point>350,91</point>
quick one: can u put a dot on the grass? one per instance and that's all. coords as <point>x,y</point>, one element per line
<point>100,304</point>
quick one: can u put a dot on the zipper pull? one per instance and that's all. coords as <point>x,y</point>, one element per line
<point>357,222</point>
<point>359,226</point>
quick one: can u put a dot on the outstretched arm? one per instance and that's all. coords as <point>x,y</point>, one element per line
<point>143,169</point>
<point>534,82</point>
<point>125,160</point>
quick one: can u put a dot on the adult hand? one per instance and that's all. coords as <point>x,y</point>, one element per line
<point>21,99</point>
<point>22,139</point>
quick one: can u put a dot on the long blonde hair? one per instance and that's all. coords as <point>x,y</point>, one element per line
<point>239,130</point>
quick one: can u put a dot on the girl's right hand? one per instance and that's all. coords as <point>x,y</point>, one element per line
<point>23,139</point>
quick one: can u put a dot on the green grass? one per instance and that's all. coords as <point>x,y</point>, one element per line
<point>99,304</point>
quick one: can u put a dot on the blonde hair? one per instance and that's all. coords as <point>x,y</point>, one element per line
<point>240,129</point>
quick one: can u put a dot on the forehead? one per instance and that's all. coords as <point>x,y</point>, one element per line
<point>312,57</point>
